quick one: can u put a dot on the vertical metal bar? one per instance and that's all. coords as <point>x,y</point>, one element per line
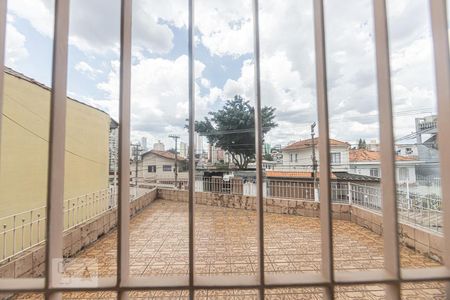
<point>439,21</point>
<point>4,241</point>
<point>14,235</point>
<point>258,145</point>
<point>3,11</point>
<point>55,182</point>
<point>387,148</point>
<point>38,228</point>
<point>123,210</point>
<point>31,227</point>
<point>324,150</point>
<point>191,78</point>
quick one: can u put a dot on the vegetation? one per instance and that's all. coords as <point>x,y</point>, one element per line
<point>362,144</point>
<point>232,128</point>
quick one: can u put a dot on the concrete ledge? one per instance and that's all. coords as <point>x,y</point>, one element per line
<point>271,205</point>
<point>31,263</point>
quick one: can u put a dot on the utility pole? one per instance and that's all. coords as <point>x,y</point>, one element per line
<point>176,137</point>
<point>314,161</point>
<point>136,152</point>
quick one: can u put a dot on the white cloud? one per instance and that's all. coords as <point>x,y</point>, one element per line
<point>15,46</point>
<point>95,24</point>
<point>84,68</point>
<point>159,94</point>
<point>288,70</point>
<point>287,46</point>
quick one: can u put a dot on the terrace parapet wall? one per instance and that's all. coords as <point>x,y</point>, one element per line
<point>31,263</point>
<point>414,237</point>
<point>271,205</point>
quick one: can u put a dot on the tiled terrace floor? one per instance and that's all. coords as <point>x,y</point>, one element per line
<point>226,243</point>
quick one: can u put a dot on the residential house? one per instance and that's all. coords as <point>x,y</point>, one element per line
<point>159,166</point>
<point>366,162</point>
<point>299,155</point>
<point>427,146</point>
<point>408,150</point>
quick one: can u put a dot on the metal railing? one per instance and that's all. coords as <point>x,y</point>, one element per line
<point>423,211</point>
<point>420,210</point>
<point>24,230</point>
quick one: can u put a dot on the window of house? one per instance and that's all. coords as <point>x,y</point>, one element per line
<point>296,157</point>
<point>290,157</point>
<point>336,158</point>
<point>375,172</point>
<point>167,168</point>
<point>152,169</point>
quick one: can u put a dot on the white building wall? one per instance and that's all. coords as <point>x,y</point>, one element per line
<point>158,161</point>
<point>304,158</point>
<point>364,169</point>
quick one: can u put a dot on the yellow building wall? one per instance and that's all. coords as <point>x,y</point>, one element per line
<point>24,147</point>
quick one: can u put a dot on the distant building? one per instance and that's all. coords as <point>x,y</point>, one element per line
<point>298,155</point>
<point>198,143</point>
<point>158,146</point>
<point>159,166</point>
<point>408,150</point>
<point>373,145</point>
<point>427,146</point>
<point>183,150</point>
<point>113,151</point>
<point>266,149</point>
<point>144,143</point>
<point>368,163</point>
<point>215,154</point>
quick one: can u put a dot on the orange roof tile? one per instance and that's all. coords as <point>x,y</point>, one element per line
<point>367,155</point>
<point>165,154</point>
<point>308,144</point>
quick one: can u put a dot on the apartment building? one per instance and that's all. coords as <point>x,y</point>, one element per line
<point>25,147</point>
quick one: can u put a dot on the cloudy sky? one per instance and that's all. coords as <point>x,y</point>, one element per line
<point>224,65</point>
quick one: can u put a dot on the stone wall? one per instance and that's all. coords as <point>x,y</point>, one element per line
<point>419,239</point>
<point>272,205</point>
<point>31,263</point>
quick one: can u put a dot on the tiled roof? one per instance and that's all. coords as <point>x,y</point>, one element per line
<point>308,144</point>
<point>367,155</point>
<point>355,177</point>
<point>309,175</point>
<point>292,174</point>
<point>165,154</point>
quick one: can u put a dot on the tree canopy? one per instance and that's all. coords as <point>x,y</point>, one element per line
<point>232,128</point>
<point>362,144</point>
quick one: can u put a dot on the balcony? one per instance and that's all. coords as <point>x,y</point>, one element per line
<point>226,245</point>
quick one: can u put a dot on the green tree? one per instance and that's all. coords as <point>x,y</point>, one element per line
<point>362,144</point>
<point>268,157</point>
<point>232,128</point>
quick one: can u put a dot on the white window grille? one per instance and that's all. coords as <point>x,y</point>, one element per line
<point>392,276</point>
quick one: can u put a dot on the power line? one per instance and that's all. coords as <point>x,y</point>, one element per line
<point>45,140</point>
